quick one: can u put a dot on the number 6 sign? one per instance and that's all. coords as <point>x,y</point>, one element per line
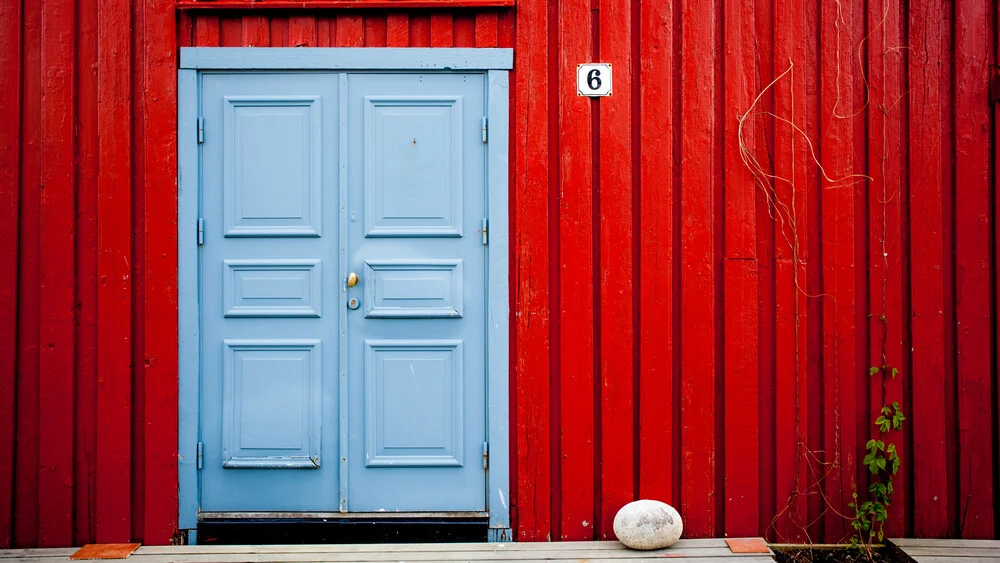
<point>593,79</point>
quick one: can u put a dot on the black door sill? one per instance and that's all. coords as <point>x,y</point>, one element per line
<point>238,531</point>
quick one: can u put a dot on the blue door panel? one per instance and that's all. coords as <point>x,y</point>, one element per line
<point>273,295</point>
<point>416,345</point>
<point>269,289</point>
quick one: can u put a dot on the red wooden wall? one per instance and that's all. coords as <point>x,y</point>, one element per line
<point>700,269</point>
<point>699,290</point>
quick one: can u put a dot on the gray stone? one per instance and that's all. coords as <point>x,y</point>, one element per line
<point>648,524</point>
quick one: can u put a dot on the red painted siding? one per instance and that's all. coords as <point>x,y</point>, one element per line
<point>700,268</point>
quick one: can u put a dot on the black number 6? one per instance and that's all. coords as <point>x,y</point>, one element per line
<point>594,79</point>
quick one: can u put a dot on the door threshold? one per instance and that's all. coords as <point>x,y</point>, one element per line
<point>297,528</point>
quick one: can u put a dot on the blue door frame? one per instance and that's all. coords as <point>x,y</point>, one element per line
<point>494,64</point>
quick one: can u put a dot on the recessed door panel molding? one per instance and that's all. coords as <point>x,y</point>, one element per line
<point>413,166</point>
<point>406,288</point>
<point>272,288</point>
<point>272,161</point>
<point>271,404</point>
<point>413,403</point>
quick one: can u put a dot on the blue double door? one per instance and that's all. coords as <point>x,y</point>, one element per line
<point>342,292</point>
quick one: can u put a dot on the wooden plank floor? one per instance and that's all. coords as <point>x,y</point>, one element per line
<point>950,551</point>
<point>693,551</point>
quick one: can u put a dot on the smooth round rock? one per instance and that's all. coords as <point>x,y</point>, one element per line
<point>648,524</point>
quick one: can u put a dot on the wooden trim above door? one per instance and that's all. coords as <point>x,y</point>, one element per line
<point>346,58</point>
<point>343,4</point>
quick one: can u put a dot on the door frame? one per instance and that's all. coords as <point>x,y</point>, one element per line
<point>495,65</point>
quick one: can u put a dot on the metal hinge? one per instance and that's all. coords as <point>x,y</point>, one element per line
<point>199,459</point>
<point>201,231</point>
<point>486,455</point>
<point>484,128</point>
<point>201,129</point>
<point>486,231</point>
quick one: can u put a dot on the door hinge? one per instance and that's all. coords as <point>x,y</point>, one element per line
<point>486,455</point>
<point>484,128</point>
<point>486,231</point>
<point>201,231</point>
<point>200,456</point>
<point>201,129</point>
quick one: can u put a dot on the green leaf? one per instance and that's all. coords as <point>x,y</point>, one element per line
<point>872,370</point>
<point>883,423</point>
<point>897,420</point>
<point>895,372</point>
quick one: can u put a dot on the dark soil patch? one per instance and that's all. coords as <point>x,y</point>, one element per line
<point>845,554</point>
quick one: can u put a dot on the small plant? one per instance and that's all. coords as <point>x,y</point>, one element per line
<point>883,462</point>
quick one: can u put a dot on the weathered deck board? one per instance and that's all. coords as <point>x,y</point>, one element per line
<point>950,551</point>
<point>696,551</point>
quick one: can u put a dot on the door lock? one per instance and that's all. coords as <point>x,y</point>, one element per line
<point>352,279</point>
<point>352,303</point>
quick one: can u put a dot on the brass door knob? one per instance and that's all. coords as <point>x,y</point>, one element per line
<point>352,279</point>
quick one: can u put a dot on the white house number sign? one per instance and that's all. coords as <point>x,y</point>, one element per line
<point>593,79</point>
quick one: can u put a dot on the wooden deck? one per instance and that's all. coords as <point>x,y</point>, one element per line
<point>694,551</point>
<point>950,551</point>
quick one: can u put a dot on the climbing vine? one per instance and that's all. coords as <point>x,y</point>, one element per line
<point>883,462</point>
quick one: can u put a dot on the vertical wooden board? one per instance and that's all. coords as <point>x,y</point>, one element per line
<point>206,30</point>
<point>741,469</point>
<point>350,30</point>
<point>256,31</point>
<point>741,89</point>
<point>26,458</point>
<point>58,305</point>
<point>839,37</point>
<point>530,269</point>
<point>973,232</point>
<point>766,280</point>
<point>996,278</point>
<point>159,361</point>
<point>616,312</point>
<point>278,34</point>
<point>656,252</point>
<point>185,29</point>
<point>699,186</point>
<point>810,270</point>
<point>929,251</point>
<point>441,30</point>
<point>420,31</point>
<point>465,30</point>
<point>10,160</point>
<point>86,274</point>
<point>375,30</point>
<point>325,31</point>
<point>576,279</point>
<point>137,273</point>
<point>302,31</point>
<point>886,194</point>
<point>741,291</point>
<point>788,194</point>
<point>791,516</point>
<point>397,29</point>
<point>114,296</point>
<point>505,29</point>
<point>944,13</point>
<point>231,31</point>
<point>486,29</point>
